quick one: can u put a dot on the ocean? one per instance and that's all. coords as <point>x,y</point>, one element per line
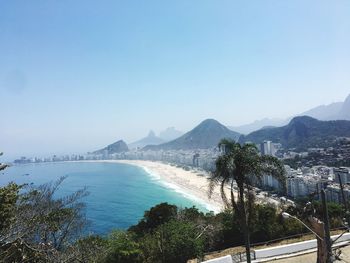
<point>118,193</point>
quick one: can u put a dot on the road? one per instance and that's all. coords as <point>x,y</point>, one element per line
<point>309,258</point>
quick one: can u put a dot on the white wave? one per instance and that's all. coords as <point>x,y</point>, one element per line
<point>156,177</point>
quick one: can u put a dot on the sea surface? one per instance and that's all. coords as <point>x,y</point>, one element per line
<point>118,193</point>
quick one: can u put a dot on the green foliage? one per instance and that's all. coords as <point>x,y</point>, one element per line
<point>154,217</point>
<point>37,227</point>
<point>335,213</point>
<point>266,225</point>
<point>243,166</point>
<point>191,214</point>
<point>8,200</point>
<point>172,242</point>
<point>231,230</point>
<point>123,248</point>
<point>88,249</point>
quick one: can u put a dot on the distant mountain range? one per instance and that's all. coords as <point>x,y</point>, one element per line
<point>117,147</point>
<point>334,111</point>
<point>325,112</point>
<point>170,134</point>
<point>297,132</point>
<point>206,135</point>
<point>258,124</point>
<point>151,138</point>
<point>302,132</point>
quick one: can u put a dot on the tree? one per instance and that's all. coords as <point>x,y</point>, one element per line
<point>154,217</point>
<point>37,226</point>
<point>173,242</point>
<point>122,247</point>
<point>242,166</point>
<point>89,249</point>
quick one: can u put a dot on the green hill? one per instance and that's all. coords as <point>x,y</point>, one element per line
<point>117,147</point>
<point>206,135</point>
<point>302,132</point>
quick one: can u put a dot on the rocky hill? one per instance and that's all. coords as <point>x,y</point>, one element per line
<point>302,132</point>
<point>117,147</point>
<point>150,139</point>
<point>206,135</point>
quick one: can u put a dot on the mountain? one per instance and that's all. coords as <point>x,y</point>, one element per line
<point>170,134</point>
<point>324,112</point>
<point>302,132</point>
<point>117,147</point>
<point>333,111</point>
<point>151,139</point>
<point>258,124</point>
<point>344,113</point>
<point>206,135</point>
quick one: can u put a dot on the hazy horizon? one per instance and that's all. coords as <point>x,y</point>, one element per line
<point>76,76</point>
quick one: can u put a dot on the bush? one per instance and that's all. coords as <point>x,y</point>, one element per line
<point>173,242</point>
<point>122,247</point>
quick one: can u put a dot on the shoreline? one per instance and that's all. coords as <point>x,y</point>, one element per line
<point>187,183</point>
<point>191,184</point>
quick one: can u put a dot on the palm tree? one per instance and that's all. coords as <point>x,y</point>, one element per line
<point>242,165</point>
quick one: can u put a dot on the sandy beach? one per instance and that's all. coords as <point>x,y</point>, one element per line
<point>191,184</point>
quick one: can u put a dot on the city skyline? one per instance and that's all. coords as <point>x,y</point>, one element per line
<point>78,76</point>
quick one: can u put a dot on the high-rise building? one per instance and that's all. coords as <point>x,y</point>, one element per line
<point>343,174</point>
<point>266,148</point>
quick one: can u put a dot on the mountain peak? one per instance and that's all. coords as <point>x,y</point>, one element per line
<point>151,134</point>
<point>302,132</point>
<point>347,100</point>
<point>210,122</point>
<point>117,147</point>
<point>170,134</point>
<point>150,139</point>
<point>345,111</point>
<point>205,135</point>
<point>302,119</point>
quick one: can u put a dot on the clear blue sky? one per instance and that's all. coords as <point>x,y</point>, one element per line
<point>76,75</point>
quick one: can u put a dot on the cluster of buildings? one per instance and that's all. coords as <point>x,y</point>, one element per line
<point>338,155</point>
<point>200,158</point>
<point>310,181</point>
<point>270,148</point>
<point>54,158</point>
<point>300,182</point>
<point>316,172</point>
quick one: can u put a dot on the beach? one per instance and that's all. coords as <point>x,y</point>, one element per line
<point>192,184</point>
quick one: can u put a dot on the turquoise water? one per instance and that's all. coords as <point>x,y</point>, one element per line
<point>119,193</point>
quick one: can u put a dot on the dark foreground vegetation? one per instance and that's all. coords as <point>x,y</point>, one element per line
<point>36,227</point>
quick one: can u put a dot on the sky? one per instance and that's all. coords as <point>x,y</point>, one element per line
<point>78,75</point>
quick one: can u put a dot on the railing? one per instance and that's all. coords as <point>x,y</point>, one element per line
<point>266,243</point>
<point>242,256</point>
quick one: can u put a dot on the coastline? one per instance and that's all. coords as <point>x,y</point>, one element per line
<point>190,184</point>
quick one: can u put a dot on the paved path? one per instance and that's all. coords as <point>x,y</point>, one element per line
<point>309,258</point>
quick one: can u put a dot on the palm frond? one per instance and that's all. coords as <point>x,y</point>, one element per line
<point>223,194</point>
<point>272,166</point>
